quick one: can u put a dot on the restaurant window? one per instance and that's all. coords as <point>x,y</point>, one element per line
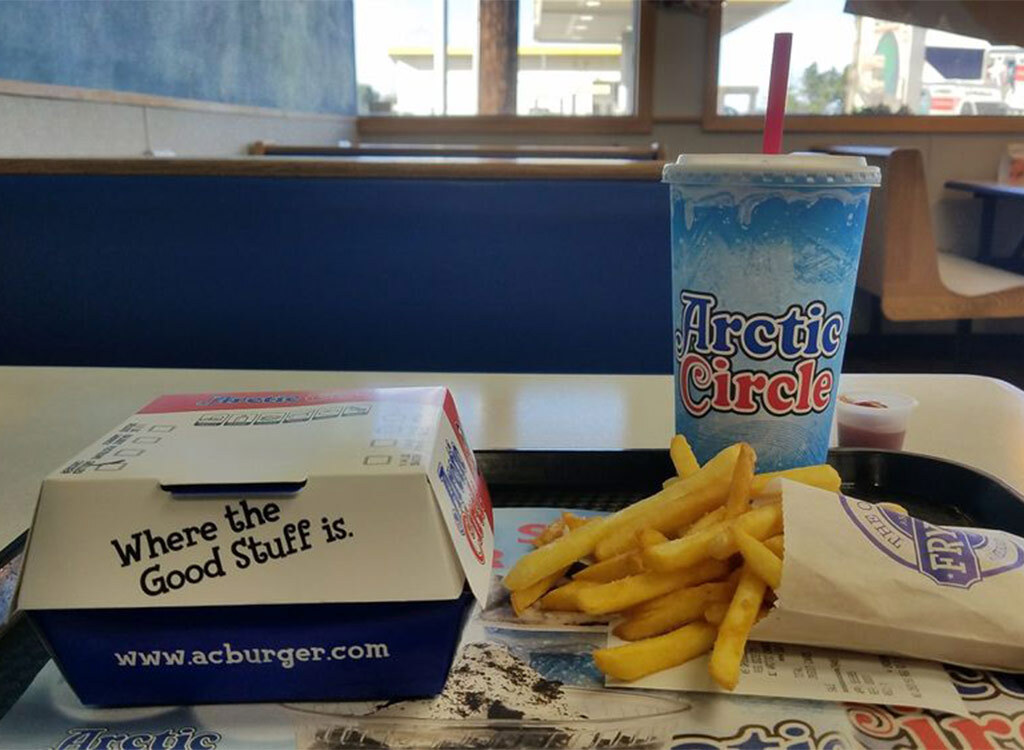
<point>848,66</point>
<point>505,58</point>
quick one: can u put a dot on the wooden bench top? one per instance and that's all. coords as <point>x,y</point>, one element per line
<point>650,152</point>
<point>990,189</point>
<point>346,167</point>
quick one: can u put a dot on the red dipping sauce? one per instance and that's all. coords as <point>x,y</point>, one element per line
<point>859,437</point>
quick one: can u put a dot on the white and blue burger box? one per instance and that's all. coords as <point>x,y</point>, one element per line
<point>271,546</point>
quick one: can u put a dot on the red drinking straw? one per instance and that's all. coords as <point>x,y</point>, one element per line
<point>777,88</point>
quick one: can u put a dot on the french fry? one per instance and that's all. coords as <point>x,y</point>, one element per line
<point>572,521</point>
<point>760,523</point>
<point>680,503</point>
<point>650,537</point>
<point>682,457</point>
<point>565,598</point>
<point>681,596</point>
<point>582,541</point>
<point>612,569</point>
<point>672,610</point>
<point>615,596</point>
<point>681,511</point>
<point>708,519</point>
<point>735,628</point>
<point>684,552</point>
<point>719,590</point>
<point>776,544</point>
<point>756,520</point>
<point>635,660</point>
<point>738,500</point>
<point>524,599</point>
<point>757,502</point>
<point>715,612</point>
<point>551,532</point>
<point>896,507</point>
<point>759,558</point>
<point>560,553</point>
<point>820,475</point>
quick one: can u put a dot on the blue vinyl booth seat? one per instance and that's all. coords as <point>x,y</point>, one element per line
<point>525,275</point>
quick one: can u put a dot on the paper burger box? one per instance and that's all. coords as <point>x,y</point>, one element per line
<point>264,546</point>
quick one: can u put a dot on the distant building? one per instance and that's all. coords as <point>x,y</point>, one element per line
<point>923,71</point>
<point>555,79</point>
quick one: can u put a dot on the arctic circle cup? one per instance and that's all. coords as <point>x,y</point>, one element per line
<point>765,250</point>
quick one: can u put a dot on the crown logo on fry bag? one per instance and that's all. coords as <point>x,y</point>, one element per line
<point>947,555</point>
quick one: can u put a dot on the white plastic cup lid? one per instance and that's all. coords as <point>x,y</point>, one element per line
<point>772,169</point>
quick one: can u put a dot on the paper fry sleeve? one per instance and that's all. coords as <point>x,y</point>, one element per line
<point>863,578</point>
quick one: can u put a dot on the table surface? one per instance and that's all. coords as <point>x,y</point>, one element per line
<point>47,414</point>
<point>991,189</point>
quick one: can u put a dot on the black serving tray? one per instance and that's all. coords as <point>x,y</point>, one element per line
<point>942,492</point>
<point>935,490</point>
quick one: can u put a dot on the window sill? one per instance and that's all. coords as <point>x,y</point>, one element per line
<point>871,124</point>
<point>486,124</point>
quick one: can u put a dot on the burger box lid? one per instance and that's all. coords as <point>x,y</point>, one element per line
<point>283,497</point>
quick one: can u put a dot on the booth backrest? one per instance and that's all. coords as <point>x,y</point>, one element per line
<point>300,270</point>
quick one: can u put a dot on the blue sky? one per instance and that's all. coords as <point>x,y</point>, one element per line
<point>822,33</point>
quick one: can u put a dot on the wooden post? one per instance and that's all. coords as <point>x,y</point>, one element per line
<point>440,57</point>
<point>499,57</point>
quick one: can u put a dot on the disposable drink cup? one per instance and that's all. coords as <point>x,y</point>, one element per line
<point>765,250</point>
<point>873,419</point>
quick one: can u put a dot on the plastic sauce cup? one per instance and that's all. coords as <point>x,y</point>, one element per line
<point>873,419</point>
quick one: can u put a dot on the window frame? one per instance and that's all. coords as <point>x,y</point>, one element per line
<point>641,121</point>
<point>712,121</point>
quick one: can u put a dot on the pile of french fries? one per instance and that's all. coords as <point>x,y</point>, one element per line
<point>684,571</point>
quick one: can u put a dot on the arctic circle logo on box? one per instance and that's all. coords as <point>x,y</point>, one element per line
<point>467,504</point>
<point>221,399</point>
<point>473,524</point>
<point>948,555</point>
